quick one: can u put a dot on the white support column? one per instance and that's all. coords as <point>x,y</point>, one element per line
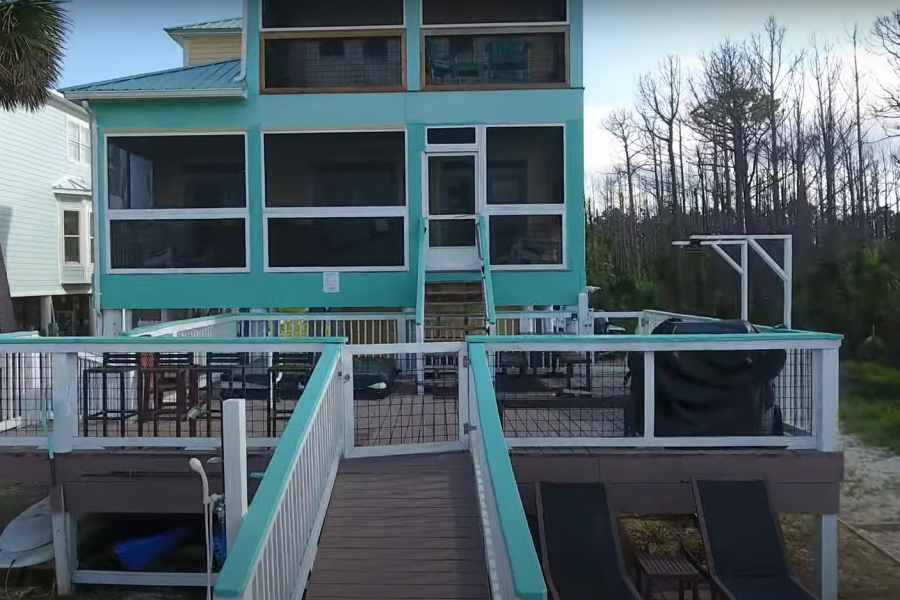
<point>46,314</point>
<point>788,281</point>
<point>234,451</point>
<point>65,401</point>
<point>825,396</point>
<point>526,326</point>
<point>115,321</point>
<point>65,541</point>
<point>745,282</point>
<point>649,407</point>
<point>65,428</point>
<point>585,324</point>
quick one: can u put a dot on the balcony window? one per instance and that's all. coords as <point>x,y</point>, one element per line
<point>176,172</point>
<point>311,62</point>
<point>335,200</point>
<point>526,239</point>
<point>177,202</point>
<point>472,12</point>
<point>525,165</point>
<point>335,242</point>
<point>194,244</point>
<point>526,195</point>
<point>291,14</point>
<point>494,59</point>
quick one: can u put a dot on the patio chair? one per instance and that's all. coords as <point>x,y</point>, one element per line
<point>508,60</point>
<point>580,547</point>
<point>745,553</point>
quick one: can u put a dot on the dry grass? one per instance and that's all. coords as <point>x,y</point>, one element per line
<point>865,573</point>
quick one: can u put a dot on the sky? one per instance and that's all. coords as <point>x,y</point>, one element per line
<point>623,39</point>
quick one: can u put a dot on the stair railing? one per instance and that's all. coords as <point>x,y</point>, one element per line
<point>420,284</point>
<point>487,281</point>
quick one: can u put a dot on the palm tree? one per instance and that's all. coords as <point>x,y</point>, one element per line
<point>32,39</point>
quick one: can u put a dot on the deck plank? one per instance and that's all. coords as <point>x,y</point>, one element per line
<point>402,527</point>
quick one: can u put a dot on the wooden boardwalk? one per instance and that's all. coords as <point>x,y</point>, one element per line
<point>403,527</point>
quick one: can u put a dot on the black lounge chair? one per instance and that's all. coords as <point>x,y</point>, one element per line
<point>580,546</point>
<point>745,552</point>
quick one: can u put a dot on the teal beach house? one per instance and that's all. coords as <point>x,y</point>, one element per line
<point>346,155</point>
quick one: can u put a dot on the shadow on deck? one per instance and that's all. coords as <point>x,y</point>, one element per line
<point>397,526</point>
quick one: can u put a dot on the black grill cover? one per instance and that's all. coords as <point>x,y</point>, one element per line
<point>708,393</point>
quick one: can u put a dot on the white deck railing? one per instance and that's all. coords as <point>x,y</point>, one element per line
<point>597,407</point>
<point>276,544</point>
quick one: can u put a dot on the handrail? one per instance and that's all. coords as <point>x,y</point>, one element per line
<point>525,568</point>
<point>486,275</point>
<point>420,279</point>
<point>237,572</point>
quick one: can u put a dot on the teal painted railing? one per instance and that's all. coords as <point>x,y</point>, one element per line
<point>486,275</point>
<point>524,569</point>
<point>240,568</point>
<point>420,279</point>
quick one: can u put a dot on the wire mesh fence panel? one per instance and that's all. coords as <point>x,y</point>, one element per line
<point>561,394</point>
<point>405,399</point>
<point>726,393</point>
<point>26,394</point>
<point>333,63</point>
<point>794,393</point>
<point>710,393</point>
<point>181,394</point>
<point>495,59</point>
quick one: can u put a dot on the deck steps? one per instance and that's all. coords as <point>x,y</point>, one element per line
<point>398,525</point>
<point>454,310</point>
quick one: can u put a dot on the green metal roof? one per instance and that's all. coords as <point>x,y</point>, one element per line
<point>208,80</point>
<point>207,26</point>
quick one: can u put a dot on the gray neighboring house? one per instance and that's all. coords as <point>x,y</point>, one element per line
<point>46,224</point>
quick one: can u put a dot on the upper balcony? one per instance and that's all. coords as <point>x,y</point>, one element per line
<point>359,46</point>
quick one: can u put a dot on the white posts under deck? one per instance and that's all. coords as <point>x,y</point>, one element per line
<point>234,453</point>
<point>825,398</point>
<point>65,428</point>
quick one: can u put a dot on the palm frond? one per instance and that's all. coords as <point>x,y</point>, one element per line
<point>32,48</point>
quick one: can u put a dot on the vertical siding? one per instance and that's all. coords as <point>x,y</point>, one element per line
<point>33,158</point>
<point>212,48</point>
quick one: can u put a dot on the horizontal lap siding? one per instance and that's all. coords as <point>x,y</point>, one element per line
<point>213,48</point>
<point>33,157</point>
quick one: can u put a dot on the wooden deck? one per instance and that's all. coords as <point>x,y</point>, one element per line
<point>402,528</point>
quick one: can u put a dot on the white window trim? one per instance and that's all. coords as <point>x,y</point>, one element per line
<point>173,214</point>
<point>350,28</point>
<point>492,25</point>
<point>84,143</point>
<point>480,148</point>
<point>275,212</point>
<point>79,209</point>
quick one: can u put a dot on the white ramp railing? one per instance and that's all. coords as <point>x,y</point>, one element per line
<point>513,565</point>
<point>276,545</point>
